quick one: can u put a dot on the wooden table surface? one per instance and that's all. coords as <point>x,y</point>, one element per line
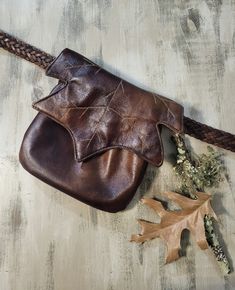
<point>184,50</point>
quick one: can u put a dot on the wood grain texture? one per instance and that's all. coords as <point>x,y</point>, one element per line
<point>184,50</point>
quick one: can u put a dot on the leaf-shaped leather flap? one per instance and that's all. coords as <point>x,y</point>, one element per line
<point>102,111</point>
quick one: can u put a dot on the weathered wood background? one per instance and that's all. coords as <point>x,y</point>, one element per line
<point>184,50</point>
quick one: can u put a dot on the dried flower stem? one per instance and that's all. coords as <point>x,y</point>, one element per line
<point>195,175</point>
<point>214,243</point>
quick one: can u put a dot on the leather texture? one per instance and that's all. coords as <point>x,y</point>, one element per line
<point>107,182</point>
<point>95,133</point>
<point>102,111</point>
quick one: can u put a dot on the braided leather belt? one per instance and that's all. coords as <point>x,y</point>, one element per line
<point>193,128</point>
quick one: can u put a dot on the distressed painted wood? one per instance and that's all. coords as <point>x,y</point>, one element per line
<point>184,50</point>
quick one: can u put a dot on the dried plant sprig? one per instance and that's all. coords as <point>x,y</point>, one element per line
<point>196,174</point>
<point>200,172</point>
<point>214,243</point>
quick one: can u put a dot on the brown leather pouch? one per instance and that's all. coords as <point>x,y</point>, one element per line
<point>95,133</point>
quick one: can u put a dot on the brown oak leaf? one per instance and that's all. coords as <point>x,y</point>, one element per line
<point>191,217</point>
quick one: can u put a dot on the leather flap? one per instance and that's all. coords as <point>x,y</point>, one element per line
<point>102,111</point>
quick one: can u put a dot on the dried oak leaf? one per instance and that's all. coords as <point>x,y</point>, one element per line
<point>190,217</point>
